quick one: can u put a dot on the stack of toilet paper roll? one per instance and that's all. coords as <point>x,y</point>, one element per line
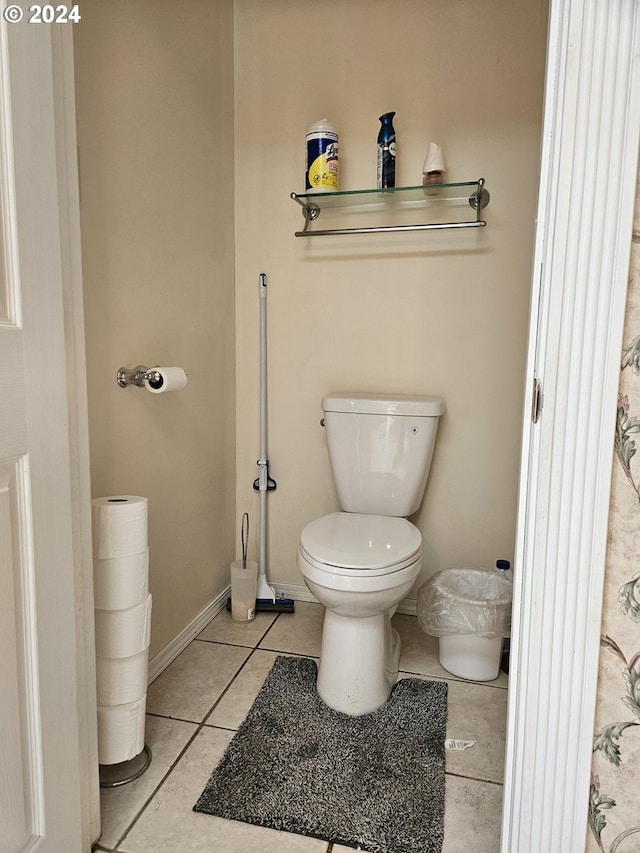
<point>123,623</point>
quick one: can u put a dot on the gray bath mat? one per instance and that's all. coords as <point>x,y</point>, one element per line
<point>375,782</point>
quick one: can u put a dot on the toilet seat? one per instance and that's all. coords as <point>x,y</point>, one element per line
<point>349,544</point>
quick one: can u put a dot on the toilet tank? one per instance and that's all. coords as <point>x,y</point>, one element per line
<point>380,448</point>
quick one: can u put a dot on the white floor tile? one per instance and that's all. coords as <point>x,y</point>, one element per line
<point>299,633</point>
<point>223,629</point>
<point>169,825</point>
<point>472,816</point>
<point>118,806</point>
<point>236,703</point>
<point>477,712</point>
<point>188,688</point>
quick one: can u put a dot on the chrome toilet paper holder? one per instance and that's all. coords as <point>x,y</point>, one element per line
<point>136,376</point>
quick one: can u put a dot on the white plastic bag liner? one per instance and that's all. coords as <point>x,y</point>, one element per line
<point>466,601</point>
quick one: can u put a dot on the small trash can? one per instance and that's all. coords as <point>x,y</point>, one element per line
<point>469,610</point>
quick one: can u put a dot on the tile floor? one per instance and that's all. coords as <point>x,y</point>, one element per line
<point>198,702</point>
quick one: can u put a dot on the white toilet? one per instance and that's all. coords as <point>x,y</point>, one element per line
<point>361,563</point>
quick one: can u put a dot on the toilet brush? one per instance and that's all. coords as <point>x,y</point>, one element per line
<point>244,581</point>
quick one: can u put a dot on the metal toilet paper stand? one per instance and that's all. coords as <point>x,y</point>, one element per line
<point>113,775</point>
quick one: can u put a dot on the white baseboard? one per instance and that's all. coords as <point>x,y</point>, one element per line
<point>299,592</point>
<point>179,643</point>
<point>408,607</point>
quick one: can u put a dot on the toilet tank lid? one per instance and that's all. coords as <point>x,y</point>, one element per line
<point>416,405</point>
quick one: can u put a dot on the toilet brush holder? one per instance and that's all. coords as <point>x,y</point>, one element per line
<point>244,588</point>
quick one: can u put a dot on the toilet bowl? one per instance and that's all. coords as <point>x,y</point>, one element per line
<point>360,567</point>
<point>361,562</point>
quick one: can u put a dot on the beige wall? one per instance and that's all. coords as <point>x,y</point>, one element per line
<point>441,312</point>
<point>155,126</point>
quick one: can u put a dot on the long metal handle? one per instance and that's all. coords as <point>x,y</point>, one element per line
<point>378,229</point>
<point>265,591</point>
<point>262,290</point>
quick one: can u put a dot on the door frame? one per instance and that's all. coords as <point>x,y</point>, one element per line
<point>75,354</point>
<point>589,161</point>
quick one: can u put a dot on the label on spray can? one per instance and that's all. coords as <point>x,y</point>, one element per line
<point>387,164</point>
<point>321,166</point>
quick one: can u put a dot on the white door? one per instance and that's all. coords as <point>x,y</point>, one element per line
<point>40,769</point>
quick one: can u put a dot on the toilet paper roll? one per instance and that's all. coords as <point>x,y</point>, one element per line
<point>120,582</point>
<point>122,680</point>
<point>121,731</point>
<point>122,633</point>
<point>119,525</point>
<point>169,379</point>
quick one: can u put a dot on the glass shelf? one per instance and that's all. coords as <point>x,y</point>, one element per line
<point>472,193</point>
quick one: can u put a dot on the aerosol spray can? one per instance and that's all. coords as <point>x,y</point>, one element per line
<point>322,165</point>
<point>386,152</point>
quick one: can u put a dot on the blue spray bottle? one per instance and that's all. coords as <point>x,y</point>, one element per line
<point>386,152</point>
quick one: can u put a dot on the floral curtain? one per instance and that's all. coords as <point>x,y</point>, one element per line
<point>614,807</point>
